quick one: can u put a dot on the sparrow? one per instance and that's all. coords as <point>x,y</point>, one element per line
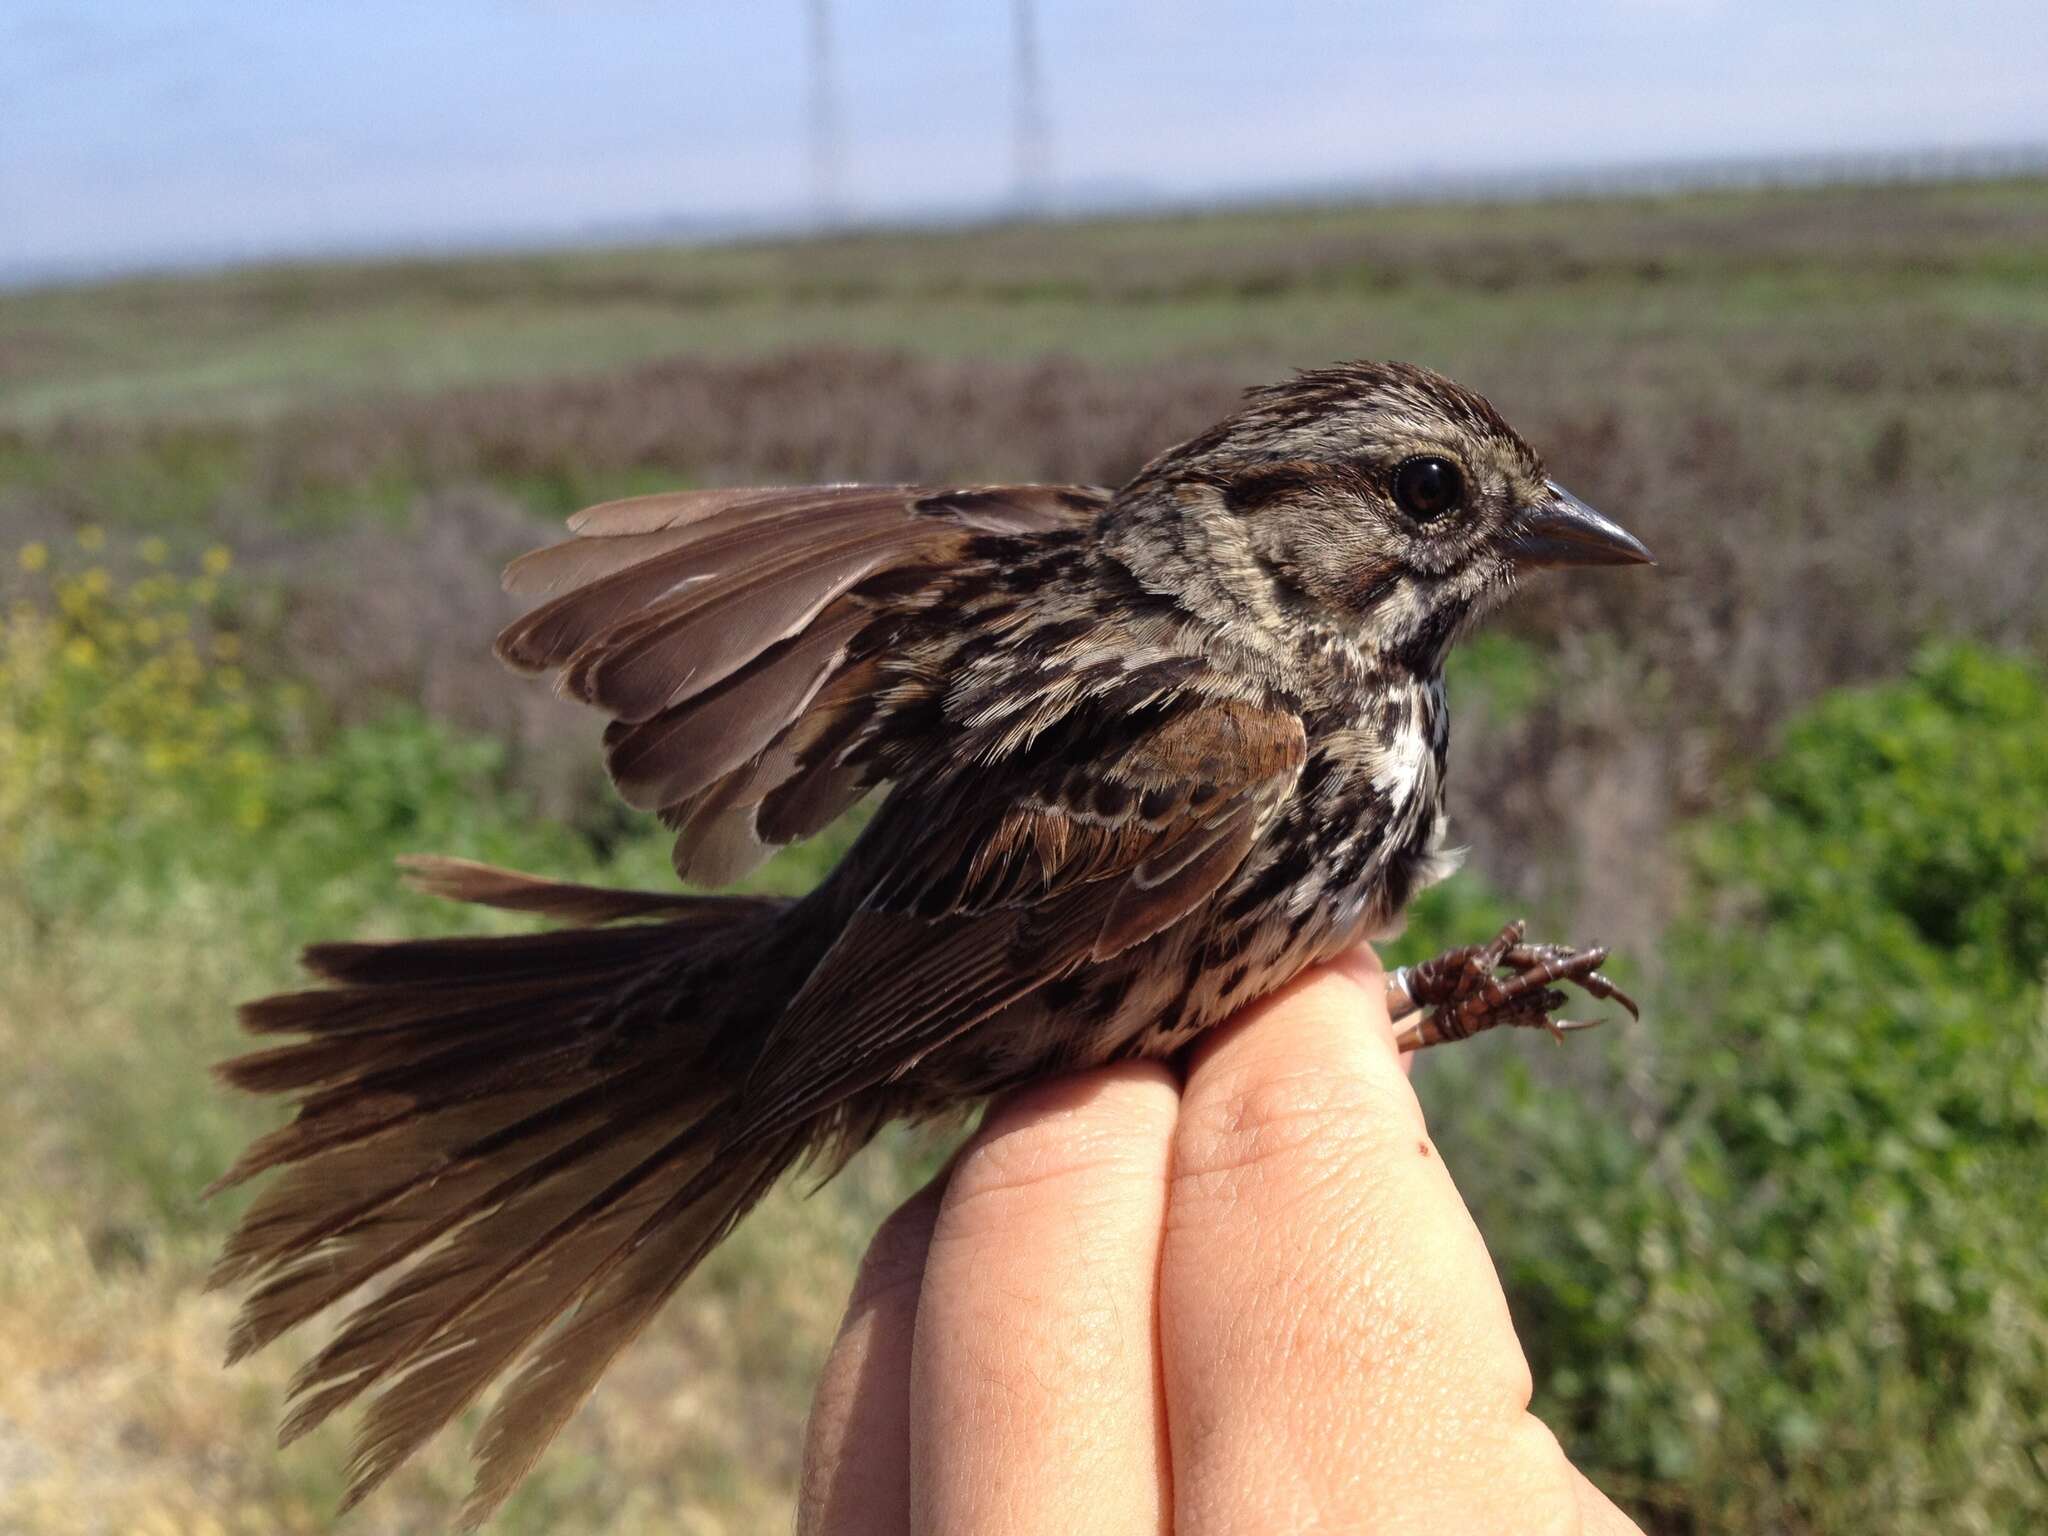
<point>1148,753</point>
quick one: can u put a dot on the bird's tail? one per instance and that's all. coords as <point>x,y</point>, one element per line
<point>527,1133</point>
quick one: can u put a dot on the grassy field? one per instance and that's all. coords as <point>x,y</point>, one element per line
<point>1473,288</point>
<point>251,523</point>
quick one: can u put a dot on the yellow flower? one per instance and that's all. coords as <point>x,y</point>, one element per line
<point>97,582</point>
<point>148,632</point>
<point>34,557</point>
<point>217,560</point>
<point>226,647</point>
<point>92,538</point>
<point>81,652</point>
<point>229,679</point>
<point>154,551</point>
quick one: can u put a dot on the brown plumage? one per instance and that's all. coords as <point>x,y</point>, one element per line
<point>1148,755</point>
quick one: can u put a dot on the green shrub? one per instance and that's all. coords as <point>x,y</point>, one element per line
<point>174,823</point>
<point>1801,1288</point>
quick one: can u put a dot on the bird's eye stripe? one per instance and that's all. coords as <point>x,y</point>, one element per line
<point>1254,488</point>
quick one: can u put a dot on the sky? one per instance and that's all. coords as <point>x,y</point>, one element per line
<point>145,132</point>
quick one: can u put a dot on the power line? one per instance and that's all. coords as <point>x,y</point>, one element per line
<point>1032,186</point>
<point>827,194</point>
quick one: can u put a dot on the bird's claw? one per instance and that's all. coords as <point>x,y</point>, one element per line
<point>1457,995</point>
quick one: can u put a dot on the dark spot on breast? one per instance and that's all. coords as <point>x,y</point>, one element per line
<point>1315,773</point>
<point>1422,652</point>
<point>1289,866</point>
<point>1230,943</point>
<point>1422,1149</point>
<point>1401,868</point>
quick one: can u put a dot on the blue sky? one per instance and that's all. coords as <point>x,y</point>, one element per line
<point>136,131</point>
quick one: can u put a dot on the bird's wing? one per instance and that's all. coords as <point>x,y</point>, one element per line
<point>730,636</point>
<point>978,898</point>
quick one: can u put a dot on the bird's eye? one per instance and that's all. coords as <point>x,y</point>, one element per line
<point>1428,486</point>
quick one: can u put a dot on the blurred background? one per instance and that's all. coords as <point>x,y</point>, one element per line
<point>310,318</point>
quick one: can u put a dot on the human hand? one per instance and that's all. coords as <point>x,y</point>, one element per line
<point>1252,1302</point>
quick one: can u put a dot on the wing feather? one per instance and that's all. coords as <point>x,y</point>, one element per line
<point>728,633</point>
<point>948,933</point>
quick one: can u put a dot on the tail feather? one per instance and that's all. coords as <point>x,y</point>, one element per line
<point>486,885</point>
<point>339,1244</point>
<point>460,1353</point>
<point>433,1024</point>
<point>317,1199</point>
<point>388,1054</point>
<point>511,1129</point>
<point>496,1243</point>
<point>553,956</point>
<point>341,1010</point>
<point>466,1312</point>
<point>639,1277</point>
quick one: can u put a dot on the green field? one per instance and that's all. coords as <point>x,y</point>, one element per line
<point>1776,1252</point>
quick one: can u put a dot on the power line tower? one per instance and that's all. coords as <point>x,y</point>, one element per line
<point>1032,188</point>
<point>827,194</point>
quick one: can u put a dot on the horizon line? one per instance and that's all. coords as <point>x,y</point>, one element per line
<point>1080,203</point>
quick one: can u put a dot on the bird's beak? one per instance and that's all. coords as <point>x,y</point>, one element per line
<point>1565,531</point>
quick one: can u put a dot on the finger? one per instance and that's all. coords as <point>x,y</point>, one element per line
<point>1598,1514</point>
<point>1335,1345</point>
<point>1034,1379</point>
<point>1361,964</point>
<point>856,1472</point>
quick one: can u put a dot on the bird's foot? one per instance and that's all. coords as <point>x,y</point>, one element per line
<point>1458,993</point>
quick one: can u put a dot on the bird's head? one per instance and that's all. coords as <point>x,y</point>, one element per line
<point>1380,498</point>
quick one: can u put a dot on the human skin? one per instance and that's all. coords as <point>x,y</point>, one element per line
<point>1247,1301</point>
